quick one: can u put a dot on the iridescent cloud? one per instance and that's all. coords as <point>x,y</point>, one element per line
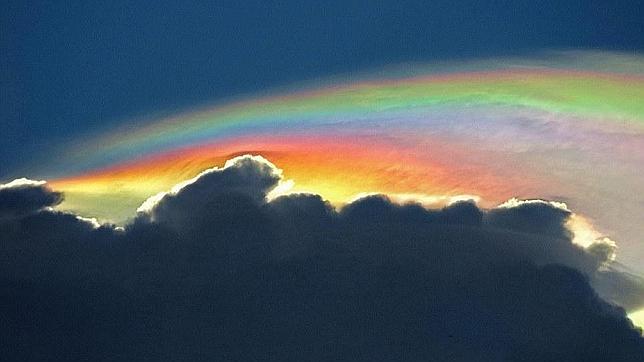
<point>567,126</point>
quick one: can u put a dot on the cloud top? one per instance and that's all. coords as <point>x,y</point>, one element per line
<point>24,196</point>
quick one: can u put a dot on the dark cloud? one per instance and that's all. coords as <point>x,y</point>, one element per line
<point>248,178</point>
<point>212,270</point>
<point>534,217</point>
<point>22,197</point>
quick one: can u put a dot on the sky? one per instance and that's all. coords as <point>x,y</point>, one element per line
<point>87,65</point>
<point>525,119</point>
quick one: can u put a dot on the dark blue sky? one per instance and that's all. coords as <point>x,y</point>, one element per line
<point>75,67</point>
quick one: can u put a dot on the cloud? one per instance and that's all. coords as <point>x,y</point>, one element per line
<point>216,269</point>
<point>23,196</point>
<point>247,176</point>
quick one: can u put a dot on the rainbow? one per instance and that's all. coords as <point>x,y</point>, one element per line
<point>567,126</point>
<point>580,93</point>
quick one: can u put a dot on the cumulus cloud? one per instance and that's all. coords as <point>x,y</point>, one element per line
<point>215,269</point>
<point>22,196</point>
<point>247,176</point>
